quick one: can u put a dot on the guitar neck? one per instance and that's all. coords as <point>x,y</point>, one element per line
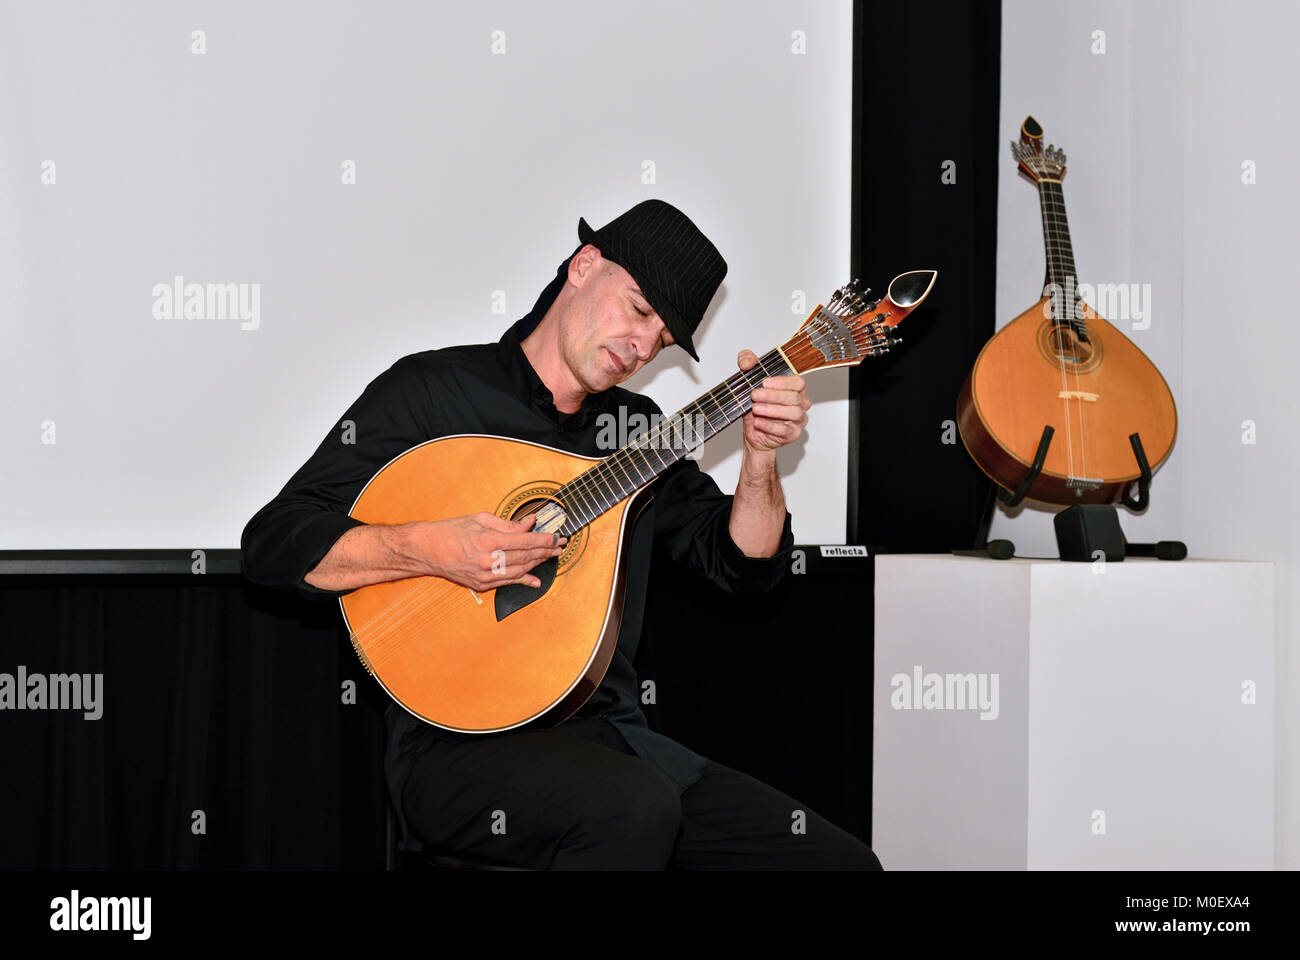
<point>663,444</point>
<point>850,327</point>
<point>1056,235</point>
<point>1061,278</point>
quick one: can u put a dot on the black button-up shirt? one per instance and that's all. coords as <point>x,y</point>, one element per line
<point>493,389</point>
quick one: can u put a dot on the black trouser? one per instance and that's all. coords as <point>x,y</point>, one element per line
<point>549,799</point>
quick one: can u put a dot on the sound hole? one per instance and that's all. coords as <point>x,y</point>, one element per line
<point>1066,345</point>
<point>534,499</point>
<point>550,515</point>
<point>1061,345</point>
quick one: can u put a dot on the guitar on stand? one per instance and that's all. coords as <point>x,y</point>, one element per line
<point>1060,407</point>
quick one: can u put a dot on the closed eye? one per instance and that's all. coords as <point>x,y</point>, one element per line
<point>665,339</point>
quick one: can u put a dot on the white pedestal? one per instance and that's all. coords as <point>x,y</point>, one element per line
<point>1116,729</point>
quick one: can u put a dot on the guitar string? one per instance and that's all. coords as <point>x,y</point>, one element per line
<point>432,606</point>
<point>424,597</point>
<point>1057,306</point>
<point>432,610</point>
<point>400,612</point>
<point>1067,254</point>
<point>1067,257</point>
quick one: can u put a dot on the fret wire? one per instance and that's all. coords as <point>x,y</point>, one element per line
<point>717,406</point>
<point>584,504</point>
<point>720,396</point>
<point>650,447</point>
<point>715,426</point>
<point>621,457</point>
<point>603,474</point>
<point>632,460</point>
<point>717,402</point>
<point>592,479</point>
<point>738,401</point>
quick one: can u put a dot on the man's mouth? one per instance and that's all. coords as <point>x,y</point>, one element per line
<point>619,365</point>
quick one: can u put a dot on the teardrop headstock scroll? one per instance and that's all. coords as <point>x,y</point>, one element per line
<point>853,326</point>
<point>1038,164</point>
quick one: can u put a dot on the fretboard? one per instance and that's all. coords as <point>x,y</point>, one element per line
<point>1060,252</point>
<point>646,456</point>
<point>1056,234</point>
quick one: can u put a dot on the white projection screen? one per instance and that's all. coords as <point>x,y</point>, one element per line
<point>373,180</point>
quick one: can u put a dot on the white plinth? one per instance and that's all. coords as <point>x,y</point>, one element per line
<point>1121,735</point>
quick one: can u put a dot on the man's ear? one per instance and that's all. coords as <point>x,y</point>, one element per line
<point>585,265</point>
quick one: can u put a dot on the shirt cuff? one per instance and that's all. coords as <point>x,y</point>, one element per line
<point>755,574</point>
<point>325,531</point>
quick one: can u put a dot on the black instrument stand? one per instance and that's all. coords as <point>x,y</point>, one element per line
<point>1085,531</point>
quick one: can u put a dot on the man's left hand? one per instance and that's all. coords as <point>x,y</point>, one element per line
<point>780,410</point>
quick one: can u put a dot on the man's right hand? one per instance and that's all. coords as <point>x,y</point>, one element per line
<point>482,551</point>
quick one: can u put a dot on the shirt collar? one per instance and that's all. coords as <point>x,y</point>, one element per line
<point>521,373</point>
<point>529,385</point>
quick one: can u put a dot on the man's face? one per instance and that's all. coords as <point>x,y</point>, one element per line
<point>612,331</point>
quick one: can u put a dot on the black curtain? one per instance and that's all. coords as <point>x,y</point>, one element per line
<point>228,701</point>
<point>218,697</point>
<point>927,89</point>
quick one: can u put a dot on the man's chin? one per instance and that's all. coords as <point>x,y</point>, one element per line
<point>605,378</point>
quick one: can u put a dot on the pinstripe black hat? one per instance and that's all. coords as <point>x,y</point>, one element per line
<point>673,263</point>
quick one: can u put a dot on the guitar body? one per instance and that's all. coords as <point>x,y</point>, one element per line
<point>1111,391</point>
<point>437,647</point>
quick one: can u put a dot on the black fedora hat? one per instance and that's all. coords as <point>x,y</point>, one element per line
<point>675,265</point>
